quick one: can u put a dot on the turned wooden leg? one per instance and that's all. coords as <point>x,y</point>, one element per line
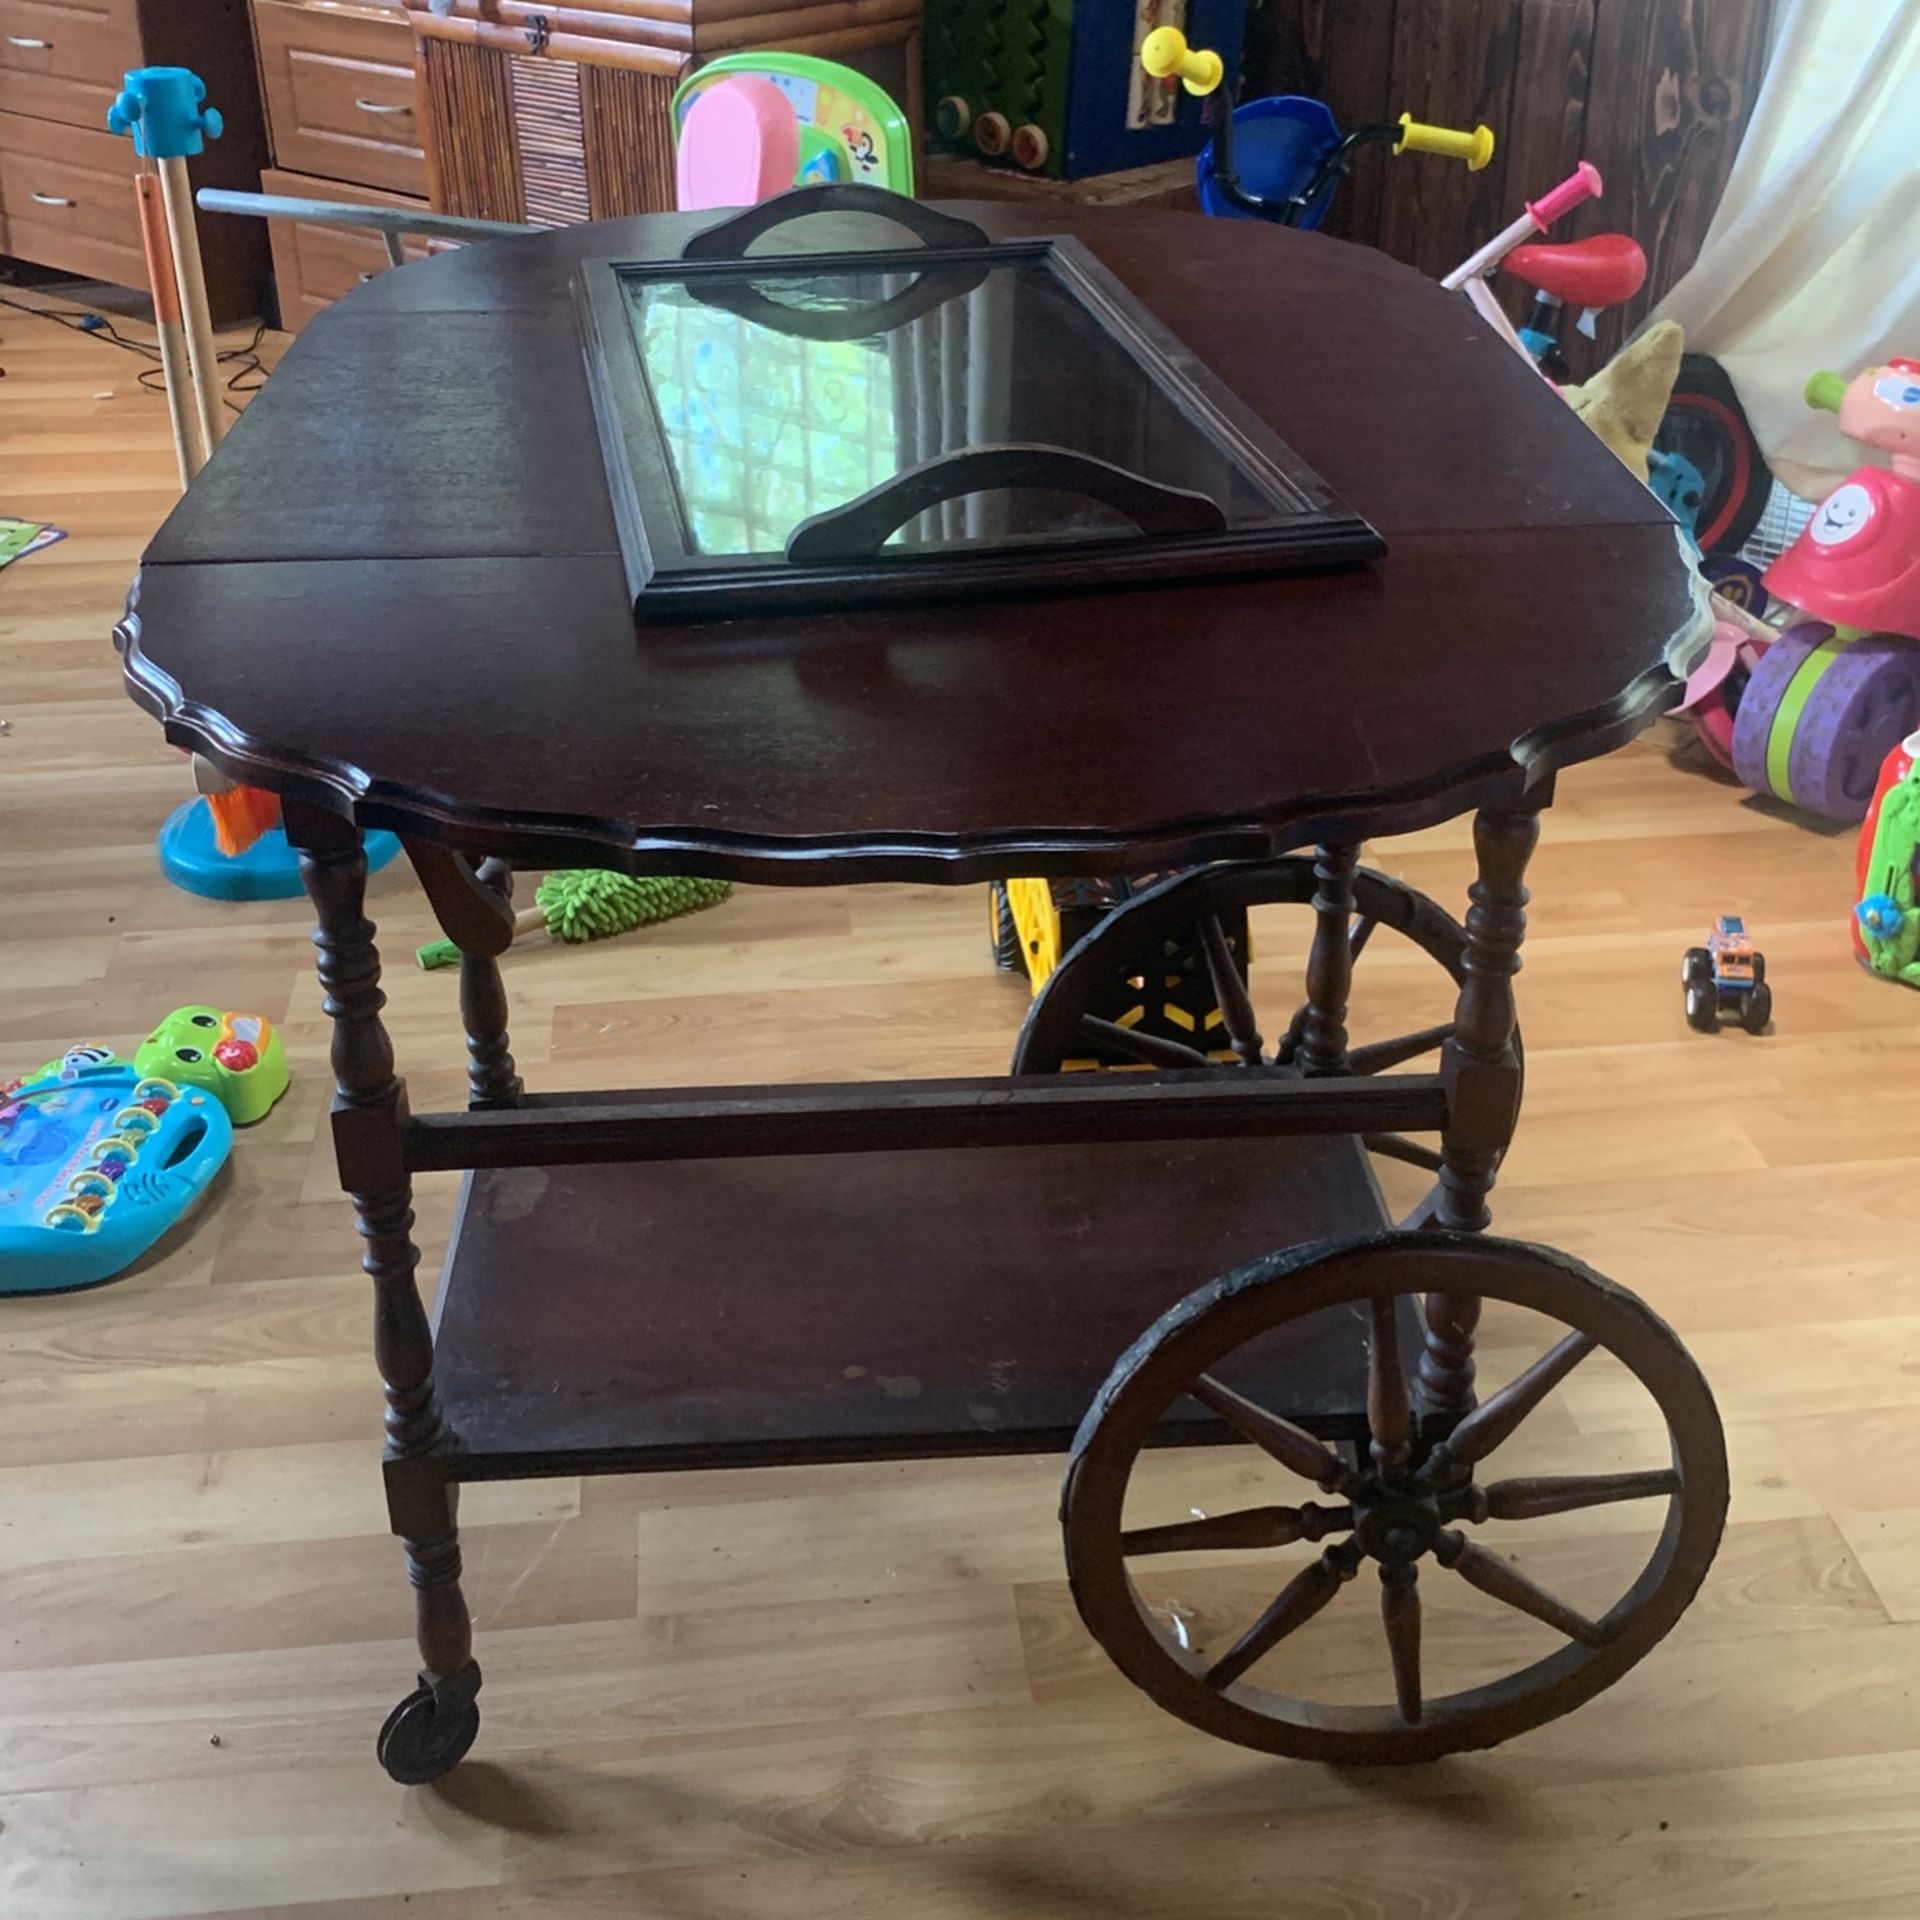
<point>491,1077</point>
<point>369,1127</point>
<point>1483,1076</point>
<point>1323,1020</point>
<point>474,905</point>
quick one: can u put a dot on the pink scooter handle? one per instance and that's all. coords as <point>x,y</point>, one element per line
<point>1581,185</point>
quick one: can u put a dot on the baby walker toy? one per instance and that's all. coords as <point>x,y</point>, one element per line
<point>226,843</point>
<point>1886,922</point>
<point>1836,691</point>
<point>1727,976</point>
<point>751,125</point>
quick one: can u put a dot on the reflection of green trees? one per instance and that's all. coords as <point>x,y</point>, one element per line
<point>763,429</point>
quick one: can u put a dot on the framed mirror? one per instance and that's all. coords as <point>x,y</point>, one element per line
<point>806,430</point>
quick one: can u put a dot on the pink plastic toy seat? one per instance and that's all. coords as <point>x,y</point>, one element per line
<point>1600,272</point>
<point>739,145</point>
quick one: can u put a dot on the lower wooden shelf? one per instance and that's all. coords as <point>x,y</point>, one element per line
<point>755,1312</point>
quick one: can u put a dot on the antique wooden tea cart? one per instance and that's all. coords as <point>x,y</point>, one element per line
<point>410,592</point>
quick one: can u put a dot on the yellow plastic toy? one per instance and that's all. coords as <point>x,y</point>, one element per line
<point>1165,53</point>
<point>1451,143</point>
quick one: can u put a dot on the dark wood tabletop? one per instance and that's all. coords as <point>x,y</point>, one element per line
<point>397,592</point>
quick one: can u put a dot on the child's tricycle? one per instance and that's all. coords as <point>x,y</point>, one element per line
<point>1836,692</point>
<point>1283,158</point>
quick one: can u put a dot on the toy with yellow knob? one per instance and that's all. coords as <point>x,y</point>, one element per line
<point>1451,143</point>
<point>1291,154</point>
<point>1165,54</point>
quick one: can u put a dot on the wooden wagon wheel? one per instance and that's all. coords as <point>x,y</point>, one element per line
<point>1136,939</point>
<point>1407,1505</point>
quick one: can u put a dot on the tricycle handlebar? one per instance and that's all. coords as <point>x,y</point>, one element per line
<point>1451,143</point>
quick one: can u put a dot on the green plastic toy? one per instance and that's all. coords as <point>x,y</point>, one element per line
<point>592,904</point>
<point>1889,919</point>
<point>239,1058</point>
<point>850,128</point>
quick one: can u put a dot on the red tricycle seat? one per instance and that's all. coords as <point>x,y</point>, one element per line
<point>1597,272</point>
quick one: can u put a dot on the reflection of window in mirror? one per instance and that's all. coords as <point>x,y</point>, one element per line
<point>764,430</point>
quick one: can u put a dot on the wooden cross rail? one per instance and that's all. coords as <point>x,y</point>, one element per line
<point>731,1123</point>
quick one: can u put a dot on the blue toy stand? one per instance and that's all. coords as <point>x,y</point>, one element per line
<point>165,110</point>
<point>1277,143</point>
<point>268,870</point>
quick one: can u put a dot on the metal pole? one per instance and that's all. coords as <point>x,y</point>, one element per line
<point>339,213</point>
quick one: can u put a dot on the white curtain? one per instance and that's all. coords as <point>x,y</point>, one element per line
<point>1813,258</point>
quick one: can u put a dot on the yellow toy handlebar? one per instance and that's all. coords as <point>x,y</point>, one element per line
<point>1416,136</point>
<point>1165,53</point>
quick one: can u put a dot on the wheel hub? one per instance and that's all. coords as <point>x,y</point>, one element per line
<point>1394,1527</point>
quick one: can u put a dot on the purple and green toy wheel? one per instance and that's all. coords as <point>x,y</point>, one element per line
<point>1820,714</point>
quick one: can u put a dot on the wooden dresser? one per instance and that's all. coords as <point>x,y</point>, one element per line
<point>337,76</point>
<point>66,194</point>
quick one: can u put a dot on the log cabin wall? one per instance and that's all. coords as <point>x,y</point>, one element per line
<point>1656,93</point>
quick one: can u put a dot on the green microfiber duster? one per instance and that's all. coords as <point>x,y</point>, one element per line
<point>592,904</point>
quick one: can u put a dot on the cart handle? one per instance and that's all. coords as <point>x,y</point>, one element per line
<point>1165,54</point>
<point>1451,143</point>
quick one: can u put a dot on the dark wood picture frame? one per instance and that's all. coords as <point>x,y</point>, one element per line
<point>835,559</point>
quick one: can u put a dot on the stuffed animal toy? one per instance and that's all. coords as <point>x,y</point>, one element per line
<point>1625,401</point>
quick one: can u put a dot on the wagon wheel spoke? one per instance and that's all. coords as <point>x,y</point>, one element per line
<point>1496,1418</point>
<point>1296,1603</point>
<point>1400,1615</point>
<point>1294,1447</point>
<point>1359,934</point>
<point>1147,1048</point>
<point>1230,991</point>
<point>1249,1527</point>
<point>1501,1580</point>
<point>1379,1055</point>
<point>1535,1498</point>
<point>1396,1146</point>
<point>1389,1409</point>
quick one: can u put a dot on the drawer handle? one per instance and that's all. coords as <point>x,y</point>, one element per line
<point>31,46</point>
<point>374,106</point>
<point>53,200</point>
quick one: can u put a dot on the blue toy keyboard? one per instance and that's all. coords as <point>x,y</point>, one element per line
<point>96,1163</point>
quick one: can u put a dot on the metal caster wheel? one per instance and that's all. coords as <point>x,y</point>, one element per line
<point>426,1736</point>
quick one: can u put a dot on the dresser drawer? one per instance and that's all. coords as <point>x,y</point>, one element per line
<point>313,266</point>
<point>339,90</point>
<point>66,200</point>
<point>64,59</point>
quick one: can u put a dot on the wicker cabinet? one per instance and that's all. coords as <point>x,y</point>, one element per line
<point>66,193</point>
<point>563,113</point>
